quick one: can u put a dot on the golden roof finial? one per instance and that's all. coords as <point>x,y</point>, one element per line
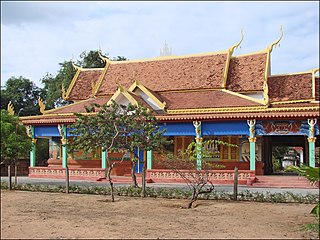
<point>63,92</point>
<point>105,59</point>
<point>276,42</point>
<point>10,108</point>
<point>231,49</point>
<point>41,105</point>
<point>74,65</point>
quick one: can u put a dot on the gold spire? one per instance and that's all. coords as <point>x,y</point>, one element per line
<point>231,49</point>
<point>41,105</point>
<point>270,47</point>
<point>10,108</point>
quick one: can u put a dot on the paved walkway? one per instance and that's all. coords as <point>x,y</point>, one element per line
<point>220,188</point>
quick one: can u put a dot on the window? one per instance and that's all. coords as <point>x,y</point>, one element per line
<point>229,153</point>
<point>181,143</point>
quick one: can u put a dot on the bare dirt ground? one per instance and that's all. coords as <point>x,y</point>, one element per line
<point>57,215</point>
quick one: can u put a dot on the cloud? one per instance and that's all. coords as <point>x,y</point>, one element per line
<point>36,36</point>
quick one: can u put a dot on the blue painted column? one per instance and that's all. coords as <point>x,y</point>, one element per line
<point>252,140</point>
<point>312,141</point>
<point>149,160</point>
<point>197,125</point>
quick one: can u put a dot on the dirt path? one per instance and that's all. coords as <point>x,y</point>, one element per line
<point>57,215</point>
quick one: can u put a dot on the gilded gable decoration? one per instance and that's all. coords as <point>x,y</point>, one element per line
<point>10,108</point>
<point>41,105</point>
<point>230,52</point>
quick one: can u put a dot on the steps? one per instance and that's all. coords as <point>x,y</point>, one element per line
<point>283,182</point>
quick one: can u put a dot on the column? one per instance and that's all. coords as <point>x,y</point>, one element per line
<point>252,140</point>
<point>33,153</point>
<point>312,141</point>
<point>149,160</point>
<point>33,150</point>
<point>197,125</point>
<point>104,158</point>
<point>64,141</point>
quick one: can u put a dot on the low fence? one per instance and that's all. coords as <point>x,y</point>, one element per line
<point>60,173</point>
<point>246,177</point>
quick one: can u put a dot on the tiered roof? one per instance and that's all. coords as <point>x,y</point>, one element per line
<point>206,86</point>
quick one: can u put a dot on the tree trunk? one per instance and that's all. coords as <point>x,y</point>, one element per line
<point>15,173</point>
<point>110,181</point>
<point>133,174</point>
<point>9,176</point>
<point>193,198</point>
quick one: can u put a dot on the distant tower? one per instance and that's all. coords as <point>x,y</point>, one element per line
<point>165,50</point>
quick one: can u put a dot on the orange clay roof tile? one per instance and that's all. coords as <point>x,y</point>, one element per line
<point>79,107</point>
<point>204,99</point>
<point>290,87</point>
<point>198,72</point>
<point>246,73</point>
<point>83,86</point>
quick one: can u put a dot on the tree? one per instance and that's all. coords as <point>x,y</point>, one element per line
<point>117,128</point>
<point>140,132</point>
<point>15,144</point>
<point>99,131</point>
<point>23,94</point>
<point>186,166</point>
<point>53,85</point>
<point>145,134</point>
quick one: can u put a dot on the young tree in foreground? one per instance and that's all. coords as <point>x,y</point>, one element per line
<point>144,135</point>
<point>118,128</point>
<point>99,129</point>
<point>186,166</point>
<point>15,143</point>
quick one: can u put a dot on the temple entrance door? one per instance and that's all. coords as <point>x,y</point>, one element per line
<point>139,154</point>
<point>281,151</point>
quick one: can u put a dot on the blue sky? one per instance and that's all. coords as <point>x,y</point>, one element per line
<point>37,36</point>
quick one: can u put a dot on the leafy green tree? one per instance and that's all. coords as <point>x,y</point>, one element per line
<point>53,85</point>
<point>99,130</point>
<point>117,128</point>
<point>15,144</point>
<point>140,132</point>
<point>23,94</point>
<point>145,135</point>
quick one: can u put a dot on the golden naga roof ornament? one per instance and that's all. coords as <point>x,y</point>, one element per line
<point>41,105</point>
<point>275,43</point>
<point>74,65</point>
<point>231,49</point>
<point>10,108</point>
<point>63,92</point>
<point>105,59</point>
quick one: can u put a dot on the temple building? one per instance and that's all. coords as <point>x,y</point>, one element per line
<point>232,98</point>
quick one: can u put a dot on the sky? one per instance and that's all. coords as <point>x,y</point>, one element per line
<point>36,36</point>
